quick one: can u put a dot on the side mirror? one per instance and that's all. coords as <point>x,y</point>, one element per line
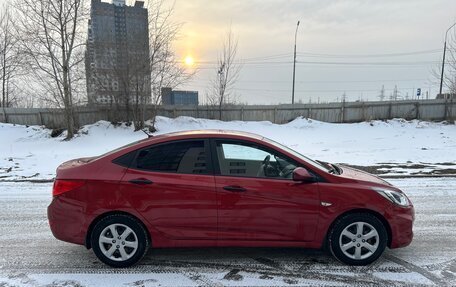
<point>302,175</point>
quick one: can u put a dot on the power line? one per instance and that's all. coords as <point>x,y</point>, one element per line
<point>331,63</point>
<point>370,63</point>
<point>262,65</point>
<point>324,55</point>
<point>278,56</point>
<point>311,91</point>
<point>324,81</point>
<point>262,59</point>
<point>319,91</point>
<point>309,54</point>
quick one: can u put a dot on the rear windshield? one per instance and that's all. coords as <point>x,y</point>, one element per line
<point>121,148</point>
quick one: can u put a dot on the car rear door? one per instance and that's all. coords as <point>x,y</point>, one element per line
<point>257,203</point>
<point>172,186</point>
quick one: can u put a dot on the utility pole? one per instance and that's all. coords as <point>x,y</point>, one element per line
<point>294,66</point>
<point>443,62</point>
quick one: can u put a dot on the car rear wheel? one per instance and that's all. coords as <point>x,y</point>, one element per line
<point>358,239</point>
<point>119,240</point>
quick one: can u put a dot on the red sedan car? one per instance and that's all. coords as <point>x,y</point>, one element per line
<point>220,188</point>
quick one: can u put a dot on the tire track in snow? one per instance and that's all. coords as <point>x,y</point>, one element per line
<point>414,268</point>
<point>315,275</point>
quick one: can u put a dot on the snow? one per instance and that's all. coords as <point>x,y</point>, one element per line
<point>30,152</point>
<point>115,280</point>
<point>408,277</point>
<point>397,146</point>
<point>31,257</point>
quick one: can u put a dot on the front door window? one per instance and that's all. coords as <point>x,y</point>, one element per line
<point>247,160</point>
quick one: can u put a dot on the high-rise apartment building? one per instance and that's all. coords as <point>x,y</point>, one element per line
<point>117,56</point>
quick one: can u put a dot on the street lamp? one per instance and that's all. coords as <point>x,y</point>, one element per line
<point>294,65</point>
<point>444,52</point>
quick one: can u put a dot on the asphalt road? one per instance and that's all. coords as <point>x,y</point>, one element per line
<point>30,256</point>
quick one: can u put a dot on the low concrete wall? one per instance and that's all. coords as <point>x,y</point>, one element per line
<point>430,110</point>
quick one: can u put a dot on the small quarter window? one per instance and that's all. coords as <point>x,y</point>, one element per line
<point>126,159</point>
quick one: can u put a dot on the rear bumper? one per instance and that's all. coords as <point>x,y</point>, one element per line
<point>66,220</point>
<point>401,223</point>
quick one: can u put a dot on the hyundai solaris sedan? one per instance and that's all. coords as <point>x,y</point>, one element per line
<point>223,188</point>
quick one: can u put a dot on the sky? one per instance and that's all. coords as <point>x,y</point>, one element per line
<point>352,46</point>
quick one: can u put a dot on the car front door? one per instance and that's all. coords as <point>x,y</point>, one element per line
<point>257,198</point>
<point>172,186</point>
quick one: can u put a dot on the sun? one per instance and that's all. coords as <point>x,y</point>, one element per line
<point>189,61</point>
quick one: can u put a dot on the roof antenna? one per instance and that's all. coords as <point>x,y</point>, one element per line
<point>148,134</point>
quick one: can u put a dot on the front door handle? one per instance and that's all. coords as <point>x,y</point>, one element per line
<point>141,181</point>
<point>233,188</point>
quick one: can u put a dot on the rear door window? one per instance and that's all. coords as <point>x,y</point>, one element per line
<point>186,157</point>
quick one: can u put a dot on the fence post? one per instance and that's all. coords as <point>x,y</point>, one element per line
<point>342,112</point>
<point>5,117</point>
<point>417,107</point>
<point>40,119</point>
<point>242,114</point>
<point>390,110</point>
<point>445,115</point>
<point>451,110</point>
<point>275,117</point>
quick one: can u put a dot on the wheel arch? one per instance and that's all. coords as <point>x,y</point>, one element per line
<point>361,210</point>
<point>87,242</point>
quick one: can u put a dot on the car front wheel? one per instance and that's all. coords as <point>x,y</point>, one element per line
<point>358,239</point>
<point>119,240</point>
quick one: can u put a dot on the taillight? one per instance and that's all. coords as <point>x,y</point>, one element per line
<point>63,185</point>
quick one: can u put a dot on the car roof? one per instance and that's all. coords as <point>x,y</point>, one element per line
<point>182,135</point>
<point>210,133</point>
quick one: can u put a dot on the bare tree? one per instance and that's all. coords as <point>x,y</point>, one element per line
<point>10,60</point>
<point>138,78</point>
<point>228,70</point>
<point>151,64</point>
<point>166,69</point>
<point>52,41</point>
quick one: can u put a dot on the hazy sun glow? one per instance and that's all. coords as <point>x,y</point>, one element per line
<point>189,61</point>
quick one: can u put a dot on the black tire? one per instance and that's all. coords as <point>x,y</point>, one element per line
<point>137,238</point>
<point>359,249</point>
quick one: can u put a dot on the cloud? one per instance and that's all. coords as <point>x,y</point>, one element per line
<point>266,27</point>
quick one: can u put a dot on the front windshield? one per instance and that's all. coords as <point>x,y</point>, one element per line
<point>297,154</point>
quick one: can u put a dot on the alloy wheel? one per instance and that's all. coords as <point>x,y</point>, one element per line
<point>118,242</point>
<point>359,240</point>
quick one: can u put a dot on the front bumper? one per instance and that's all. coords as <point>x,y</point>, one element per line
<point>401,221</point>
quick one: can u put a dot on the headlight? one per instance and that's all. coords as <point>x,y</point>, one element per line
<point>394,196</point>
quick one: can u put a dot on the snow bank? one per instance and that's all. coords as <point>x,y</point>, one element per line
<point>31,152</point>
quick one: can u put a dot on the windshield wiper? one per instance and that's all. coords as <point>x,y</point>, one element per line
<point>328,166</point>
<point>332,168</point>
<point>336,169</point>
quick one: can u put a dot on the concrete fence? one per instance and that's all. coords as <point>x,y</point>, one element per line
<point>347,112</point>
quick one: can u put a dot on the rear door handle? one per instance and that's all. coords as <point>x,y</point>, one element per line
<point>233,188</point>
<point>141,181</point>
